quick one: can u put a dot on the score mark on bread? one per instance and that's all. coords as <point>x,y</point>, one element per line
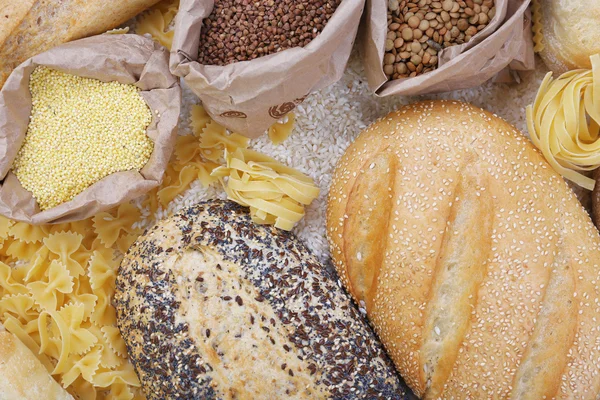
<point>458,273</point>
<point>368,220</point>
<point>547,354</point>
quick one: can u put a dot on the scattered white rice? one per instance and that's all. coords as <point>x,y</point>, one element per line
<point>328,121</point>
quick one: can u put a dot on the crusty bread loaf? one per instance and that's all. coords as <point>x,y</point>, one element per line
<point>595,199</point>
<point>213,306</point>
<point>570,33</point>
<point>476,264</point>
<point>22,375</point>
<point>30,27</point>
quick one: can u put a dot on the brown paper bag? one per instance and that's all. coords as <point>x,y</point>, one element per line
<point>129,59</point>
<point>249,96</point>
<point>505,42</point>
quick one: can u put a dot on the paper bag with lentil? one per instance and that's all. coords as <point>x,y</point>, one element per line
<point>257,60</point>
<point>127,59</point>
<point>433,46</point>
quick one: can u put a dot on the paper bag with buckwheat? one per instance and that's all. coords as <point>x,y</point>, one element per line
<point>122,59</point>
<point>466,47</point>
<point>240,87</point>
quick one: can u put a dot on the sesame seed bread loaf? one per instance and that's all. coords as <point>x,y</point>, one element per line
<point>570,33</point>
<point>213,306</point>
<point>595,199</point>
<point>30,27</point>
<point>477,266</point>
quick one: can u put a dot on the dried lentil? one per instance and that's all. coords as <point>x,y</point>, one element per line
<point>80,131</point>
<point>241,30</point>
<point>426,27</point>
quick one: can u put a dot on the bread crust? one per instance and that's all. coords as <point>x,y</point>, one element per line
<point>489,282</point>
<point>595,199</point>
<point>31,27</point>
<point>244,311</point>
<point>570,33</point>
<point>22,375</point>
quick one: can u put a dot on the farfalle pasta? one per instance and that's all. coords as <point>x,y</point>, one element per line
<point>536,27</point>
<point>199,118</point>
<point>125,242</point>
<point>187,175</point>
<point>280,131</point>
<point>115,340</point>
<point>104,313</point>
<point>118,31</point>
<point>64,245</point>
<point>9,285</point>
<point>205,169</point>
<point>564,122</point>
<point>5,225</point>
<point>36,268</point>
<point>17,250</point>
<point>46,292</point>
<point>102,272</point>
<point>28,233</point>
<point>106,377</point>
<point>109,226</point>
<point>215,139</point>
<point>20,306</point>
<point>57,300</point>
<point>108,357</point>
<point>195,157</point>
<point>156,22</point>
<point>276,194</point>
<point>186,149</point>
<point>84,366</point>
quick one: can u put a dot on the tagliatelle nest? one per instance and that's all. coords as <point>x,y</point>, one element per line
<point>564,122</point>
<point>276,194</point>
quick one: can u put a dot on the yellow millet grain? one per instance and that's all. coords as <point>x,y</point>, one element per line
<point>80,131</point>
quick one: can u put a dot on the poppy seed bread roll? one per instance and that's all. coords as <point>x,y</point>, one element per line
<point>477,266</point>
<point>213,306</point>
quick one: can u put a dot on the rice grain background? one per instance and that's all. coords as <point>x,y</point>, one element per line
<point>329,120</point>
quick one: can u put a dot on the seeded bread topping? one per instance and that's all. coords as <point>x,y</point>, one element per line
<point>207,296</point>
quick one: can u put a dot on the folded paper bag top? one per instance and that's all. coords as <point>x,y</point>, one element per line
<point>506,42</point>
<point>249,96</point>
<point>127,59</point>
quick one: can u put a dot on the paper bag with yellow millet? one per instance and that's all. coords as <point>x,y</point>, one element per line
<point>504,44</point>
<point>128,59</point>
<point>250,96</point>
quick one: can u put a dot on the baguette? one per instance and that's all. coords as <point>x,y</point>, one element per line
<point>595,199</point>
<point>22,375</point>
<point>30,27</point>
<point>213,306</point>
<point>478,267</point>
